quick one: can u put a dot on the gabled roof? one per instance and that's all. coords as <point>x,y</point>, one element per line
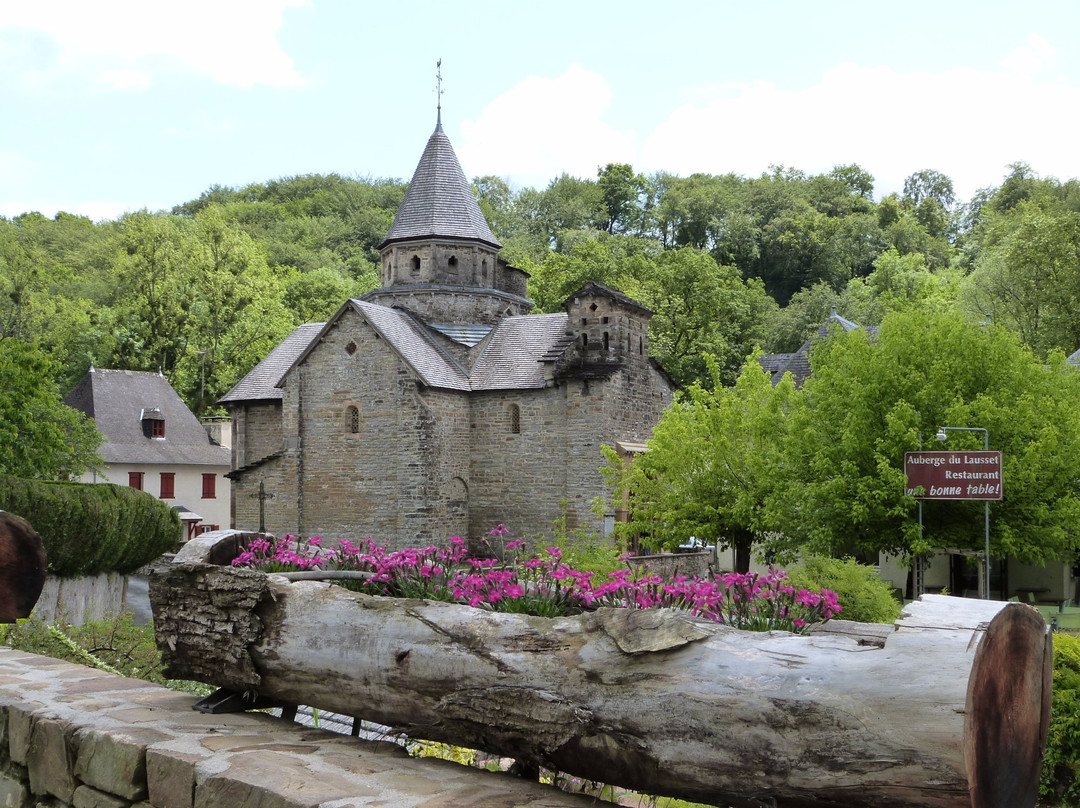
<point>261,383</point>
<point>439,201</point>
<point>408,335</point>
<point>511,357</point>
<point>798,363</point>
<point>594,289</point>
<point>118,400</point>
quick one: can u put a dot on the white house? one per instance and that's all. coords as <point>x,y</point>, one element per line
<point>153,442</point>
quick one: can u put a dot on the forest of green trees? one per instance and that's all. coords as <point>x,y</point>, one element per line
<point>728,264</point>
<point>978,303</point>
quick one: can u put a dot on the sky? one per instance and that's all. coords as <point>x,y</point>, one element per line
<point>123,105</point>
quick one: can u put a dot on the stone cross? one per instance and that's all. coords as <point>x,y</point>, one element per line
<point>262,496</point>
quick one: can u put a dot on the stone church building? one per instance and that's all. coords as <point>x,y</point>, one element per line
<point>436,406</point>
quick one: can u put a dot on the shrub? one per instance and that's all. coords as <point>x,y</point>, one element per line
<point>90,528</point>
<point>1060,782</point>
<point>863,594</point>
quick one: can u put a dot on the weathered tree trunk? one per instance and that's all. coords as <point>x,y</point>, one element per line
<point>950,709</point>
<point>22,567</point>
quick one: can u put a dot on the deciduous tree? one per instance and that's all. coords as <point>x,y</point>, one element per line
<point>868,401</point>
<point>712,466</point>
<point>40,436</point>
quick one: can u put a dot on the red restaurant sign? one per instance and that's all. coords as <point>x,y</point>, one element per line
<point>953,475</point>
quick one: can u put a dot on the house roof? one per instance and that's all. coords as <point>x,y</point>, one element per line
<point>260,384</point>
<point>412,340</point>
<point>439,201</point>
<point>511,357</point>
<point>514,354</point>
<point>118,401</point>
<point>798,363</point>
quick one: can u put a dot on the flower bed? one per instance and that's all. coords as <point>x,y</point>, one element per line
<point>543,585</point>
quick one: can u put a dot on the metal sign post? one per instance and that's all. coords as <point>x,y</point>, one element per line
<point>958,475</point>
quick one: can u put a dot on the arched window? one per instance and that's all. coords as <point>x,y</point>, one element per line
<point>453,261</point>
<point>515,419</point>
<point>483,270</point>
<point>607,342</point>
<point>354,420</point>
<point>415,265</point>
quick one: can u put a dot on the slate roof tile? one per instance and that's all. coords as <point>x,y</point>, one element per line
<point>116,400</point>
<point>439,200</point>
<point>512,358</point>
<point>260,384</point>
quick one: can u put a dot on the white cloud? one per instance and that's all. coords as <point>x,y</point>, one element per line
<point>544,127</point>
<point>966,124</point>
<point>122,44</point>
<point>970,125</point>
<point>1032,58</point>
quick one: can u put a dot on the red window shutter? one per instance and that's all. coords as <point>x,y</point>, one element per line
<point>168,485</point>
<point>135,480</point>
<point>209,486</point>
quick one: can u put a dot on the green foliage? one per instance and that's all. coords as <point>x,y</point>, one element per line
<point>864,596</point>
<point>713,465</point>
<point>40,436</point>
<point>585,551</point>
<point>1027,276</point>
<point>89,528</point>
<point>868,401</point>
<point>204,292</point>
<point>1060,783</point>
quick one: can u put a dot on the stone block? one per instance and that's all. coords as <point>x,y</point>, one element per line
<point>274,780</point>
<point>20,718</point>
<point>50,759</point>
<point>115,761</point>
<point>14,791</point>
<point>170,777</point>
<point>88,797</point>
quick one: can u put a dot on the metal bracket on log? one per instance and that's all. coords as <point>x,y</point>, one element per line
<point>224,700</point>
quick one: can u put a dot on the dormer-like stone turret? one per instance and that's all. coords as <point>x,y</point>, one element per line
<point>608,330</point>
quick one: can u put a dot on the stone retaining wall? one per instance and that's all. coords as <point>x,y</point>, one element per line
<point>696,564</point>
<point>76,600</point>
<point>73,737</point>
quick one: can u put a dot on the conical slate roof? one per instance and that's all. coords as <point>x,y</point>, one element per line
<point>439,201</point>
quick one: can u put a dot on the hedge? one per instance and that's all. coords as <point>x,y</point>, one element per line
<point>92,528</point>
<point>1060,783</point>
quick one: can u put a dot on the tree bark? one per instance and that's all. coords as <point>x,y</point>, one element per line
<point>948,708</point>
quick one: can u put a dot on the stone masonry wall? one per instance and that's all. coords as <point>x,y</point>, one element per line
<point>73,737</point>
<point>256,432</point>
<point>451,304</point>
<point>519,478</point>
<point>403,477</point>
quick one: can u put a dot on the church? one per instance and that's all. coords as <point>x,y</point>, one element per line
<point>436,405</point>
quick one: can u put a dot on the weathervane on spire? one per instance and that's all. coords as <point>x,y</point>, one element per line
<point>438,93</point>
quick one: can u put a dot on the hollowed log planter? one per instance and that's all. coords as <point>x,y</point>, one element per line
<point>949,707</point>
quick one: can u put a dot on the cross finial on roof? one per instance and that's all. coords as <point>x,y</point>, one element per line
<point>438,95</point>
